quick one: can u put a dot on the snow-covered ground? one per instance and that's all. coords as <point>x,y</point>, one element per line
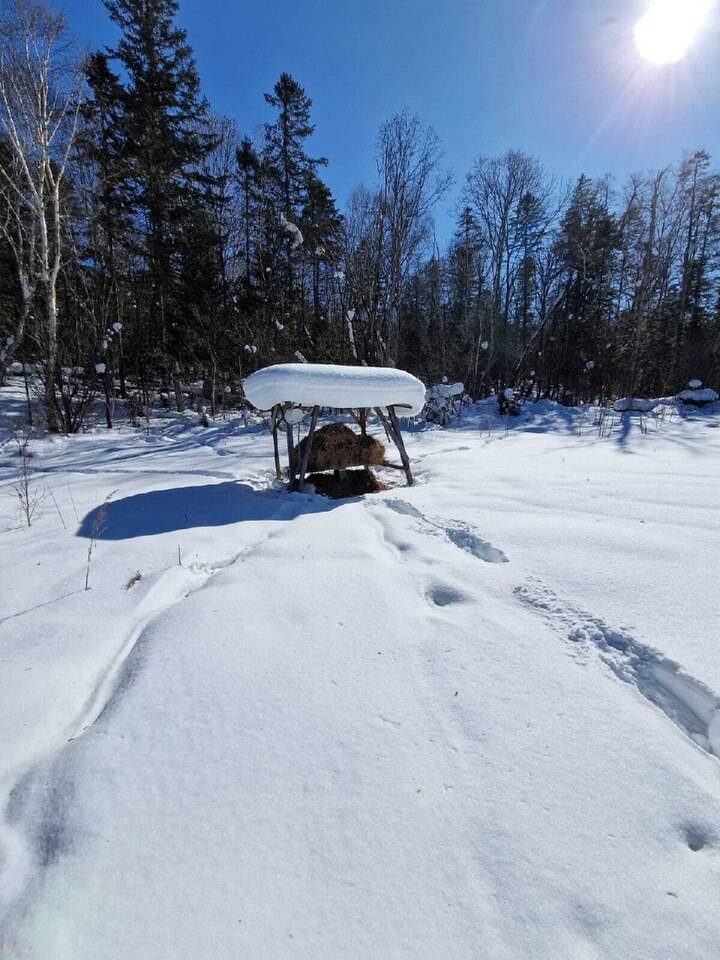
<point>476,718</point>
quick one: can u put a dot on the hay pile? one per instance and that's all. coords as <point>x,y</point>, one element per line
<point>336,447</point>
<point>346,483</point>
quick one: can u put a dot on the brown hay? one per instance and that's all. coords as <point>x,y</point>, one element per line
<point>337,447</point>
<point>348,483</point>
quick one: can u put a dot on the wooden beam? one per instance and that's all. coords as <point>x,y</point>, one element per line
<point>386,426</point>
<point>308,446</point>
<point>290,448</point>
<point>400,445</point>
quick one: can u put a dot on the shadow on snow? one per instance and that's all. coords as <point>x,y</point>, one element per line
<point>182,508</point>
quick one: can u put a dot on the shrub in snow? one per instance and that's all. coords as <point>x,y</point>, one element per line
<point>29,495</point>
<point>135,408</point>
<point>509,404</point>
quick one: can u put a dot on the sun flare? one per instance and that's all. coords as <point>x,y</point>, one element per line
<point>667,30</point>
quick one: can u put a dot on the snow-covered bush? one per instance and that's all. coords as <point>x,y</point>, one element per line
<point>443,402</point>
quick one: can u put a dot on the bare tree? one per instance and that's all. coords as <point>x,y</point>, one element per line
<point>411,182</point>
<point>363,247</point>
<point>515,204</point>
<point>40,96</point>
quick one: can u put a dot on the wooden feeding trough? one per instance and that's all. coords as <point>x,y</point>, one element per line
<point>290,390</point>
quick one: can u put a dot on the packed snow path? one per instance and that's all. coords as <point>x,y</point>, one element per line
<point>384,750</point>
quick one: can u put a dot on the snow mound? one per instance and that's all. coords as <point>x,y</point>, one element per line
<point>442,391</point>
<point>638,404</point>
<point>330,385</point>
<point>698,396</point>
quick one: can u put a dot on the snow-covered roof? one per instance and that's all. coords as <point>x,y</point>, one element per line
<point>331,385</point>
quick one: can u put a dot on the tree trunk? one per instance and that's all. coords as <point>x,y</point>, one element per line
<point>51,416</point>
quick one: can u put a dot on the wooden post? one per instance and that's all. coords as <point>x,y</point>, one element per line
<point>290,447</point>
<point>276,451</point>
<point>308,446</point>
<point>400,445</point>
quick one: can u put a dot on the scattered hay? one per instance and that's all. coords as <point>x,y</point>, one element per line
<point>337,447</point>
<point>346,483</point>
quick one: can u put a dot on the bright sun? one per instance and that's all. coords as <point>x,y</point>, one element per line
<point>669,27</point>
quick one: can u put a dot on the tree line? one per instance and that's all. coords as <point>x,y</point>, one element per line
<point>146,243</point>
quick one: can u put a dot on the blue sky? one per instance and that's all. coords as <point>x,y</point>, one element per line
<point>560,79</point>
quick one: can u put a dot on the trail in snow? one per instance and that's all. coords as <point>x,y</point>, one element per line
<point>462,535</point>
<point>42,783</point>
<point>46,785</point>
<point>688,702</point>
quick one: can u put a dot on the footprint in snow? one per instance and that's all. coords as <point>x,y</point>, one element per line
<point>443,595</point>
<point>688,702</point>
<point>697,836</point>
<point>462,535</point>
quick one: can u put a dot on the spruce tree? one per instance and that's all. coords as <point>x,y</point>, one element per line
<point>285,143</point>
<point>322,229</point>
<point>248,172</point>
<point>286,170</point>
<point>163,126</point>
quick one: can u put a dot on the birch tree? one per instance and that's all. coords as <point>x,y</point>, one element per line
<point>40,97</point>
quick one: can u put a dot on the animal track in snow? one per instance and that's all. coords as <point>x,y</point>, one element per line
<point>458,533</point>
<point>688,702</point>
<point>443,595</point>
<point>391,723</point>
<point>697,836</point>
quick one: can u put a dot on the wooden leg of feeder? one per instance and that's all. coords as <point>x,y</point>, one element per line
<point>308,446</point>
<point>276,450</point>
<point>394,435</point>
<point>400,445</point>
<point>291,450</point>
<point>384,421</point>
